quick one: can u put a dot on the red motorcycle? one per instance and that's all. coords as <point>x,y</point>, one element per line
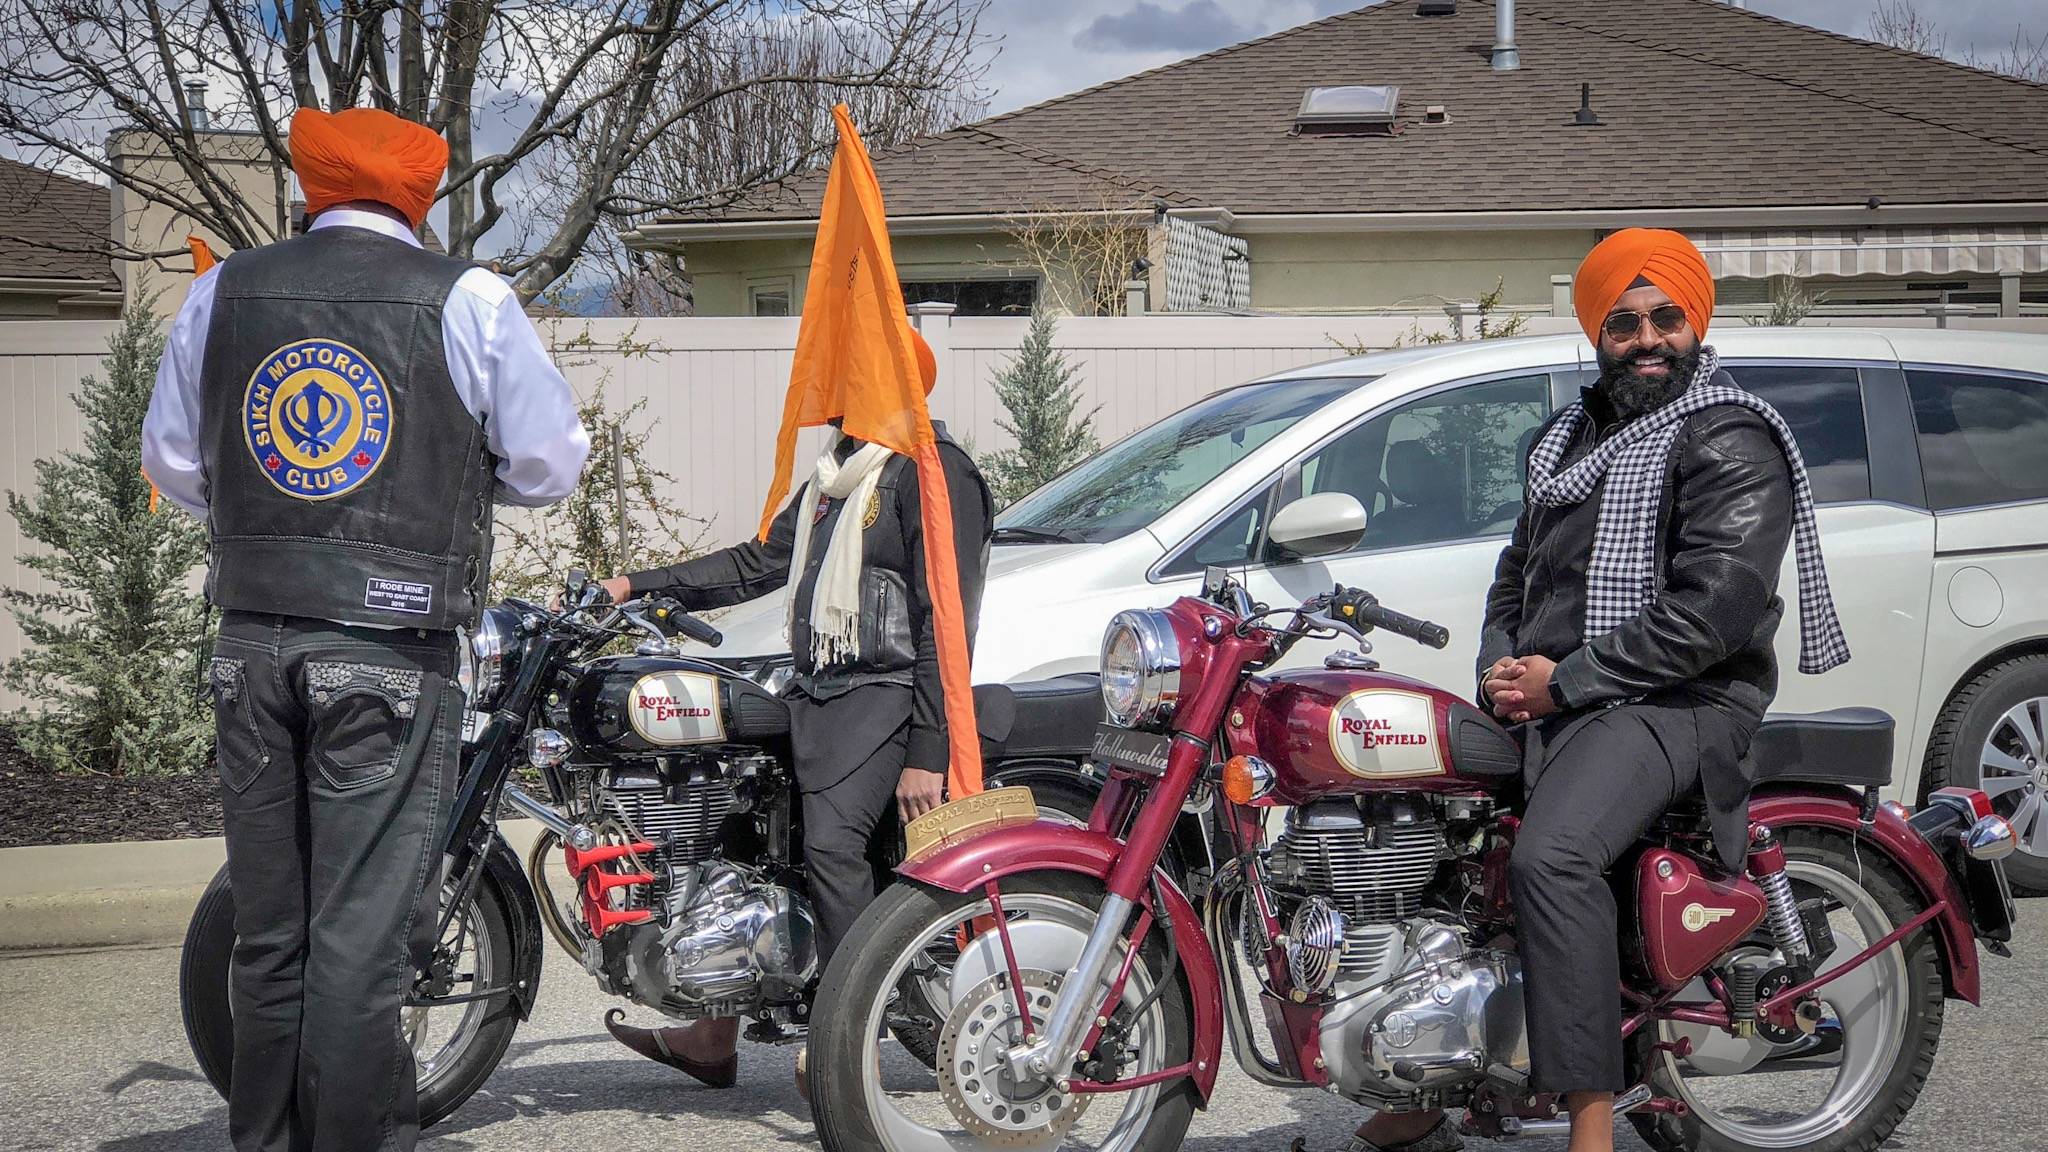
<point>1796,1006</point>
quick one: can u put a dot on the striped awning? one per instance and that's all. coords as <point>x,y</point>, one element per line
<point>1807,252</point>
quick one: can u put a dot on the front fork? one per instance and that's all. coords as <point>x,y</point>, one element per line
<point>1051,1052</point>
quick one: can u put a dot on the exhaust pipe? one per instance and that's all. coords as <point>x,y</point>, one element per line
<point>1505,56</point>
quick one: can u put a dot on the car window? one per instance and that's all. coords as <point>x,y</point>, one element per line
<point>1447,466</point>
<point>1824,408</point>
<point>1134,481</point>
<point>1230,542</point>
<point>1983,438</point>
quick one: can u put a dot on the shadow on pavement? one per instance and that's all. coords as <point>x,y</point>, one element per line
<point>151,1071</point>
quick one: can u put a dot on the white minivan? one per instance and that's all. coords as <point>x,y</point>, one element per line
<point>1927,450</point>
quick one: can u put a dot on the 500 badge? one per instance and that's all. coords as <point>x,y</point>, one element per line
<point>318,418</point>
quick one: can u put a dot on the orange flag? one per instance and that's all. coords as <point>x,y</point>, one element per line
<point>855,360</point>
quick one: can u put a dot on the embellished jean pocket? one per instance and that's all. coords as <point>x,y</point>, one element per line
<point>239,751</point>
<point>362,719</point>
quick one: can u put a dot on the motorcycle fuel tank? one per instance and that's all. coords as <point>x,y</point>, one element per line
<point>655,704</point>
<point>1339,732</point>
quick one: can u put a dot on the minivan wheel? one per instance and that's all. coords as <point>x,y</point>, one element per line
<point>1993,735</point>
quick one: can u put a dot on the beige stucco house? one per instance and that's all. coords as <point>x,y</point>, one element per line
<point>1875,177</point>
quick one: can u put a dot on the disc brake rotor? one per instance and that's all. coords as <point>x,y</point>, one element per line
<point>975,1079</point>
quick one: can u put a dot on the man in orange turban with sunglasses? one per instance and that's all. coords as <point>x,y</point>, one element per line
<point>343,408</point>
<point>1629,636</point>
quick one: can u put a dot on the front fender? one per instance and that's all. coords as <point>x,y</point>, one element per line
<point>503,872</point>
<point>1922,865</point>
<point>1043,846</point>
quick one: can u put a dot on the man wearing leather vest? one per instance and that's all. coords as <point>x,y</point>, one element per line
<point>1629,634</point>
<point>867,712</point>
<point>341,409</point>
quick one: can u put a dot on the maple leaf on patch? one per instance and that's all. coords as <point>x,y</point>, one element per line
<point>272,462</point>
<point>361,459</point>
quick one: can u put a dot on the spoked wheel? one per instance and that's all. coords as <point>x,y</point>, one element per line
<point>866,1097</point>
<point>924,993</point>
<point>1843,1088</point>
<point>455,1048</point>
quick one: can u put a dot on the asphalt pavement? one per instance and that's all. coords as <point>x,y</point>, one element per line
<point>92,1056</point>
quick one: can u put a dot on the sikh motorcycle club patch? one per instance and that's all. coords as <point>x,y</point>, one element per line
<point>318,418</point>
<point>871,511</point>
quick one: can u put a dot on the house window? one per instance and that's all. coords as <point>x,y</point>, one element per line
<point>769,297</point>
<point>975,297</point>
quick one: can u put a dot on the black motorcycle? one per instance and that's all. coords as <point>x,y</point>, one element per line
<point>670,861</point>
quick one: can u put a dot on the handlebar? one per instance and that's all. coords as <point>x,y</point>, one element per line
<point>669,615</point>
<point>1362,610</point>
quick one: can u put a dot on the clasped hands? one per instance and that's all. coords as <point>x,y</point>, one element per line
<point>1518,688</point>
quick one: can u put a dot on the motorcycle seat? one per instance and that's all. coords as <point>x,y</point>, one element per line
<point>1846,746</point>
<point>1055,717</point>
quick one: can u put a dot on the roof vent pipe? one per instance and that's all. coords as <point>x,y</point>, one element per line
<point>195,105</point>
<point>1505,57</point>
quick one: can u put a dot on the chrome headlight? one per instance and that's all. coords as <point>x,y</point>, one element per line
<point>492,648</point>
<point>1140,668</point>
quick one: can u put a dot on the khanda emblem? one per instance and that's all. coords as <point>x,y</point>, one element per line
<point>318,418</point>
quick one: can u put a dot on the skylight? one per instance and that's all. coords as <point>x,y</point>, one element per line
<point>1348,104</point>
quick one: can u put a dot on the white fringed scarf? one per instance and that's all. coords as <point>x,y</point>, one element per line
<point>835,600</point>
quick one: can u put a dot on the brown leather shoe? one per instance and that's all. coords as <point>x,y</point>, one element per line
<point>666,1046</point>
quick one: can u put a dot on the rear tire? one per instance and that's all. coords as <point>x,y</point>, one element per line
<point>1913,1060</point>
<point>1973,722</point>
<point>209,1013</point>
<point>840,1030</point>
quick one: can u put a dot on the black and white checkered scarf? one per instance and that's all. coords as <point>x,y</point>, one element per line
<point>1621,579</point>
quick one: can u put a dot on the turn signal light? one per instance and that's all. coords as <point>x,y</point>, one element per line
<point>1246,778</point>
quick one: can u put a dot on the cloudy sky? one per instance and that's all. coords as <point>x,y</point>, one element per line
<point>1050,47</point>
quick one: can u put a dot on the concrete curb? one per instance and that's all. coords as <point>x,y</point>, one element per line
<point>118,895</point>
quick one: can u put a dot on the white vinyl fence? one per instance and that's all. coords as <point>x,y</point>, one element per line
<point>714,387</point>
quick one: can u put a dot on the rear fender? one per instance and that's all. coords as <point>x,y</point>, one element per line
<point>1043,846</point>
<point>1921,864</point>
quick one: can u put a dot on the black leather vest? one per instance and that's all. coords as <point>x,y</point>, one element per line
<point>889,617</point>
<point>345,479</point>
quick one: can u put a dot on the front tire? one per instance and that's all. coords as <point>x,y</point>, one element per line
<point>853,1111</point>
<point>477,1033</point>
<point>1879,1070</point>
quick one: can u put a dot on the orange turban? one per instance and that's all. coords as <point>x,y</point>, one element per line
<point>367,154</point>
<point>927,363</point>
<point>1664,258</point>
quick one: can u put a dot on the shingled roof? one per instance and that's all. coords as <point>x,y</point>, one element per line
<point>53,227</point>
<point>1703,105</point>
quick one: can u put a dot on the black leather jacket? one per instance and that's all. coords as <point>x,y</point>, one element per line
<point>897,640</point>
<point>1724,525</point>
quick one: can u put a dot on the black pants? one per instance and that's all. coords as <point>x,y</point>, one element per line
<point>1597,784</point>
<point>850,828</point>
<point>338,753</point>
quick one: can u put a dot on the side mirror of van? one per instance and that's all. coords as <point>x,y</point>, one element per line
<point>1318,525</point>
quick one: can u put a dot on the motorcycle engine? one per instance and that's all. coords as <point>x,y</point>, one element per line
<point>724,939</point>
<point>1415,1009</point>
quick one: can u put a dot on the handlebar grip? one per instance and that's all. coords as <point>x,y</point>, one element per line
<point>1420,631</point>
<point>696,629</point>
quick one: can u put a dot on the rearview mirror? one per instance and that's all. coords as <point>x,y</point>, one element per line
<point>1318,525</point>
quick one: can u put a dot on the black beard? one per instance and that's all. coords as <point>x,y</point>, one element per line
<point>1634,394</point>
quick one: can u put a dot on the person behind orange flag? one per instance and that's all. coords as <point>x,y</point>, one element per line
<point>883,553</point>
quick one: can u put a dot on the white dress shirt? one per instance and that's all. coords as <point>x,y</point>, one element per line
<point>500,369</point>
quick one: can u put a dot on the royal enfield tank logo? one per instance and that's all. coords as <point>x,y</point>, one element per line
<point>677,708</point>
<point>1386,733</point>
<point>318,418</point>
<point>1697,917</point>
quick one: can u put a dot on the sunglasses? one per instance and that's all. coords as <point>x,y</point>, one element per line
<point>1668,318</point>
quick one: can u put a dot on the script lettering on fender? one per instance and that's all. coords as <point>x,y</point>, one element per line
<point>676,708</point>
<point>1386,733</point>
